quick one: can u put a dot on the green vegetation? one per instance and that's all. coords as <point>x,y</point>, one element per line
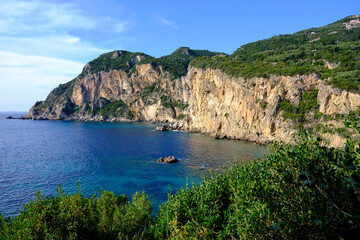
<point>301,192</point>
<point>147,91</point>
<point>181,116</point>
<point>306,191</point>
<point>308,102</point>
<point>168,102</point>
<point>104,216</point>
<point>263,104</point>
<point>116,60</point>
<point>180,104</point>
<point>57,95</point>
<point>112,109</point>
<point>64,89</point>
<point>177,62</point>
<point>304,52</point>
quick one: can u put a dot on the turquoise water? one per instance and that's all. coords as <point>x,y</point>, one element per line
<point>120,157</point>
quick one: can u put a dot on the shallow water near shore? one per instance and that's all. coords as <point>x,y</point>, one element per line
<point>120,157</point>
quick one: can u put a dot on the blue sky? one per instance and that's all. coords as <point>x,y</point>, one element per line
<point>46,42</point>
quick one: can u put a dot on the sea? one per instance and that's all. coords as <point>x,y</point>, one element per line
<point>119,157</point>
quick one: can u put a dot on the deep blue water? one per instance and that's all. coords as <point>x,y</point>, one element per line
<point>120,157</point>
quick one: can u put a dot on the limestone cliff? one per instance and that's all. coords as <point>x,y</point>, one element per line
<point>249,109</point>
<point>206,101</point>
<point>267,90</point>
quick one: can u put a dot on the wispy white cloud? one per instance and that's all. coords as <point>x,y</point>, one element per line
<point>17,8</point>
<point>22,74</point>
<point>45,64</point>
<point>121,26</point>
<point>36,16</point>
<point>18,71</point>
<point>61,45</point>
<point>168,23</point>
<point>37,39</point>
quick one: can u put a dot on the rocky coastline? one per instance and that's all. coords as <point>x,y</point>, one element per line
<point>215,103</point>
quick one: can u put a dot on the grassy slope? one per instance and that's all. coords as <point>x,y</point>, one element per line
<point>301,53</point>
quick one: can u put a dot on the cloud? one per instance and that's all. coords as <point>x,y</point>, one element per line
<point>19,17</point>
<point>58,46</point>
<point>19,70</point>
<point>121,26</point>
<point>23,74</point>
<point>168,23</point>
<point>16,8</point>
<point>44,43</point>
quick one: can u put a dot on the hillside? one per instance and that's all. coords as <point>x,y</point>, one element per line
<point>332,51</point>
<point>265,91</point>
<point>177,63</point>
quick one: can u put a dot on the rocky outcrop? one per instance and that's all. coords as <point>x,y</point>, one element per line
<point>206,101</point>
<point>330,65</point>
<point>355,23</point>
<point>247,109</point>
<point>169,159</point>
<point>178,125</point>
<point>334,100</point>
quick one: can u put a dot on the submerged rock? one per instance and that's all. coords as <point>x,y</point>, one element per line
<point>169,159</point>
<point>9,117</point>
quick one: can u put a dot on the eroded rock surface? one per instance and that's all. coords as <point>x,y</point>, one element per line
<point>206,101</point>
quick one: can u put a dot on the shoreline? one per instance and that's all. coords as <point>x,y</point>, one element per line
<point>157,124</point>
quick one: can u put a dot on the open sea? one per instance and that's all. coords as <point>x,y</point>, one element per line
<point>120,157</point>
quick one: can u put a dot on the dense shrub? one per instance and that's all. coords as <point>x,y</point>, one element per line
<point>107,216</point>
<point>297,192</point>
<point>113,108</point>
<point>308,102</point>
<point>178,62</point>
<point>123,61</point>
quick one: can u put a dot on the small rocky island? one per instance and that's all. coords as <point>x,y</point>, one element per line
<point>169,159</point>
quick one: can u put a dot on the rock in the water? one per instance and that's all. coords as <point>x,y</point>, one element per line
<point>169,159</point>
<point>164,127</point>
<point>9,117</point>
<point>169,127</point>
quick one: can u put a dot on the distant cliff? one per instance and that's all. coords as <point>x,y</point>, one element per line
<point>258,95</point>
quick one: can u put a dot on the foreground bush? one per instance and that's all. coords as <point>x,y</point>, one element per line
<point>306,191</point>
<point>76,217</point>
<point>302,192</point>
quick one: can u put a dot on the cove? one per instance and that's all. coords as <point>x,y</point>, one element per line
<point>119,157</point>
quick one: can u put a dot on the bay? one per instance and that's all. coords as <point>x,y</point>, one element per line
<point>119,157</point>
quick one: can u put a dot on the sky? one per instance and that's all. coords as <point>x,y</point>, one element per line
<point>44,43</point>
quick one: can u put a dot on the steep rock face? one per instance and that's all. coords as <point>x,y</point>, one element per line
<point>334,100</point>
<point>150,95</point>
<point>248,109</point>
<point>211,102</point>
<point>231,107</point>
